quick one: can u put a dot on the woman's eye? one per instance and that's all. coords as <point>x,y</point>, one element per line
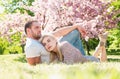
<point>48,40</point>
<point>44,44</point>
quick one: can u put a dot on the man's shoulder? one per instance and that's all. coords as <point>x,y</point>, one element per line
<point>33,44</point>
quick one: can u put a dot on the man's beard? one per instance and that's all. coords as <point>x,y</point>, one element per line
<point>37,36</point>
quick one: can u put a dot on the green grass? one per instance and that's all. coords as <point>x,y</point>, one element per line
<point>15,67</point>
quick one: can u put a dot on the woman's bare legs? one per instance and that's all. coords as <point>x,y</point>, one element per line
<point>103,56</point>
<point>100,51</point>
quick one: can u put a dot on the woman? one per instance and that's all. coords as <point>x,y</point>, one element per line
<point>64,51</point>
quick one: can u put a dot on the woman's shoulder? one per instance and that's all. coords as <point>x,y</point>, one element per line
<point>64,43</point>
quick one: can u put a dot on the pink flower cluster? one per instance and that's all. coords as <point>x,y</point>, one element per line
<point>13,23</point>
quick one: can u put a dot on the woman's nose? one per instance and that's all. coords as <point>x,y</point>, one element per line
<point>47,45</point>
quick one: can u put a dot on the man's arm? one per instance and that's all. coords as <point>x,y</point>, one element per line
<point>34,60</point>
<point>65,30</point>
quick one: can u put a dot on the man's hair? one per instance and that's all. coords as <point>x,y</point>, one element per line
<point>28,25</point>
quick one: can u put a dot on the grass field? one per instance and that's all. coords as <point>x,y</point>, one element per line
<point>15,67</point>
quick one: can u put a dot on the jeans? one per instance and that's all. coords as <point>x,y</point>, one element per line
<point>74,39</point>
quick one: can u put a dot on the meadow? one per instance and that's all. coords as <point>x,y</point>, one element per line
<point>15,67</point>
<point>96,16</point>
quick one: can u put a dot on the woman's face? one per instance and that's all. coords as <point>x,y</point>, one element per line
<point>49,43</point>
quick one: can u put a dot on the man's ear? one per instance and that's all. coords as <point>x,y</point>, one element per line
<point>28,30</point>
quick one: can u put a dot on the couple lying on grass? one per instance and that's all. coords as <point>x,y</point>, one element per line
<point>45,48</point>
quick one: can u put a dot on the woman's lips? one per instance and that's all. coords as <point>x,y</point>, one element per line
<point>49,47</point>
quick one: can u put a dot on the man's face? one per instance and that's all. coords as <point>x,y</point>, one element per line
<point>35,30</point>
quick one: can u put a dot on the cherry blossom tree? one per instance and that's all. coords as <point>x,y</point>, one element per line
<point>94,15</point>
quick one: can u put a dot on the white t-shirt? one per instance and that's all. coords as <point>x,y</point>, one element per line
<point>34,48</point>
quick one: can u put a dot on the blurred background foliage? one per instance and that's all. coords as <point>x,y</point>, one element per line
<point>14,45</point>
<point>13,6</point>
<point>113,42</point>
<point>11,46</point>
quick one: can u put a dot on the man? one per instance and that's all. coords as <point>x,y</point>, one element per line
<point>36,53</point>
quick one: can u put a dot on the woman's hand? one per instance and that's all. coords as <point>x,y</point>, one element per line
<point>81,30</point>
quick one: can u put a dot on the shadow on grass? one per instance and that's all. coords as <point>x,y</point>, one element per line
<point>113,59</point>
<point>114,51</point>
<point>21,58</point>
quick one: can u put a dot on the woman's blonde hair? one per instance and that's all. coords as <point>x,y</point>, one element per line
<point>47,35</point>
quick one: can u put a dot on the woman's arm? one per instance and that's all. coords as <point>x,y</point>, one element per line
<point>65,30</point>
